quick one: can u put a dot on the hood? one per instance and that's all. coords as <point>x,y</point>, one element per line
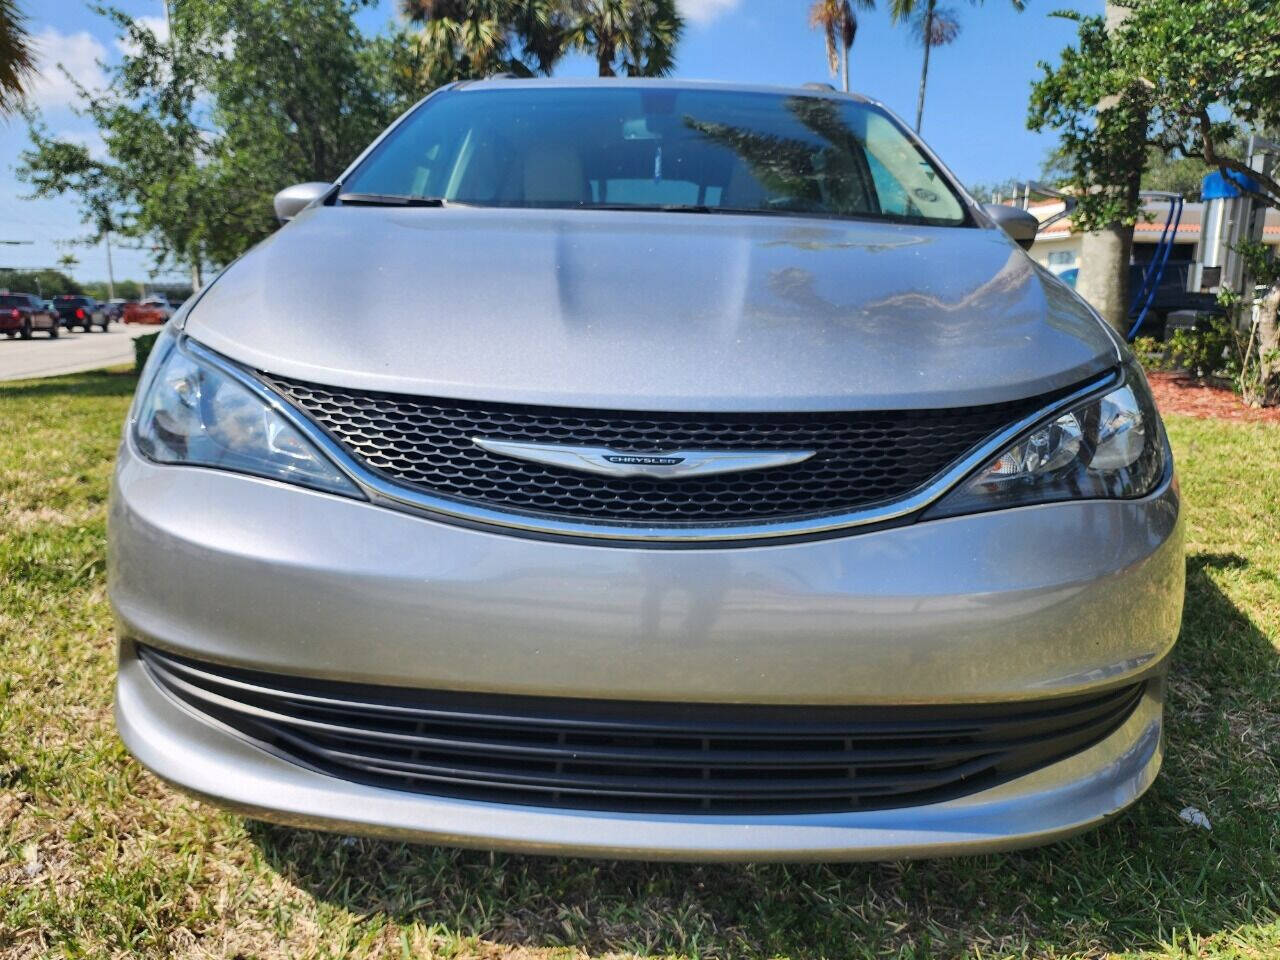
<point>651,311</point>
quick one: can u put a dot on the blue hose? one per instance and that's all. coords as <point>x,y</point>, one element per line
<point>1154,273</point>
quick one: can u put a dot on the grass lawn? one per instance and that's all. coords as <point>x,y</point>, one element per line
<point>99,859</point>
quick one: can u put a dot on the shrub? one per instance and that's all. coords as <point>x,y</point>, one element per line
<point>142,349</point>
<point>1206,350</point>
<point>1150,353</point>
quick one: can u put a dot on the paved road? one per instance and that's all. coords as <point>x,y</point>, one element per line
<point>70,353</point>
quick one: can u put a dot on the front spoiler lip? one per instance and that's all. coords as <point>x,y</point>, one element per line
<point>203,759</point>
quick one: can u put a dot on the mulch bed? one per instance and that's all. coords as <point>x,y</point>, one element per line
<point>1184,394</point>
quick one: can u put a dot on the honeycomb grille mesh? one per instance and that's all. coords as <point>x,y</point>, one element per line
<point>861,459</point>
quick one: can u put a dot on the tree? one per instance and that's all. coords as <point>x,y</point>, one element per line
<point>1181,76</point>
<point>1002,189</point>
<point>68,262</point>
<point>785,165</point>
<point>1165,172</point>
<point>839,25</point>
<point>460,39</point>
<point>636,38</point>
<point>16,60</point>
<point>124,289</point>
<point>64,166</point>
<point>1104,145</point>
<point>43,283</point>
<point>155,184</point>
<point>245,97</point>
<point>934,26</point>
<point>296,95</point>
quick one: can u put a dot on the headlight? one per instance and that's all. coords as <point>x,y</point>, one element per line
<point>191,412</point>
<point>1110,447</point>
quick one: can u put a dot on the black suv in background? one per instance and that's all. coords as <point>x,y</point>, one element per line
<point>22,313</point>
<point>82,312</point>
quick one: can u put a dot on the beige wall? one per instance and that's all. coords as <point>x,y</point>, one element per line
<point>1065,249</point>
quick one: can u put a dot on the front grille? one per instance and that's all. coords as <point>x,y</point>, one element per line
<point>861,459</point>
<point>638,756</point>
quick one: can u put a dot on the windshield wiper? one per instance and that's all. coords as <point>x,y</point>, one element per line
<point>693,208</point>
<point>391,200</point>
<point>651,207</point>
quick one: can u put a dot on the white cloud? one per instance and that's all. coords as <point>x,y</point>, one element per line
<point>157,25</point>
<point>704,11</point>
<point>79,53</point>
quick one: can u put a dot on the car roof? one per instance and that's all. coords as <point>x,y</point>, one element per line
<point>569,83</point>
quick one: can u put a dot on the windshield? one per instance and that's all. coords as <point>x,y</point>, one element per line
<point>629,147</point>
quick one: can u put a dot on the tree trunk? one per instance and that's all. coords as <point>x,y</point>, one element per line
<point>1104,273</point>
<point>197,274</point>
<point>845,69</point>
<point>1269,345</point>
<point>1104,255</point>
<point>924,67</point>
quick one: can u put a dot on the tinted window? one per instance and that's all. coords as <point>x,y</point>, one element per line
<point>10,300</point>
<point>627,146</point>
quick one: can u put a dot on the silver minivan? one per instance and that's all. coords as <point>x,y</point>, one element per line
<point>647,469</point>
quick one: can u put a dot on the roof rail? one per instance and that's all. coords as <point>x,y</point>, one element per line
<point>820,86</point>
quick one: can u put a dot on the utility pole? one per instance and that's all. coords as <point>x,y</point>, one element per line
<point>111,274</point>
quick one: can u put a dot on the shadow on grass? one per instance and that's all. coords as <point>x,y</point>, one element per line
<point>1140,880</point>
<point>96,383</point>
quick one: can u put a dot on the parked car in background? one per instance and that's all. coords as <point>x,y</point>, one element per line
<point>730,485</point>
<point>153,310</point>
<point>23,313</point>
<point>1171,296</point>
<point>115,308</point>
<point>80,311</point>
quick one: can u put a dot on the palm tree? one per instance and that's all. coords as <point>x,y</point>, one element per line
<point>839,24</point>
<point>636,37</point>
<point>68,262</point>
<point>17,60</point>
<point>474,38</point>
<point>935,26</point>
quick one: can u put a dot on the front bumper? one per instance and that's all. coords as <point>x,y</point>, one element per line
<point>1014,605</point>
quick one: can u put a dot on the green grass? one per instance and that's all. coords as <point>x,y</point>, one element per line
<point>99,859</point>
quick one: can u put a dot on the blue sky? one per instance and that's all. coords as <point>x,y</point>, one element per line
<point>974,116</point>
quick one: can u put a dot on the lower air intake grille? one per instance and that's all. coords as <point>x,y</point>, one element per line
<point>860,459</point>
<point>638,756</point>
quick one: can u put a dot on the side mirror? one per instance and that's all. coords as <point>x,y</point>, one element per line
<point>1018,224</point>
<point>290,201</point>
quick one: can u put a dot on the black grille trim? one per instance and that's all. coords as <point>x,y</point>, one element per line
<point>862,460</point>
<point>641,756</point>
